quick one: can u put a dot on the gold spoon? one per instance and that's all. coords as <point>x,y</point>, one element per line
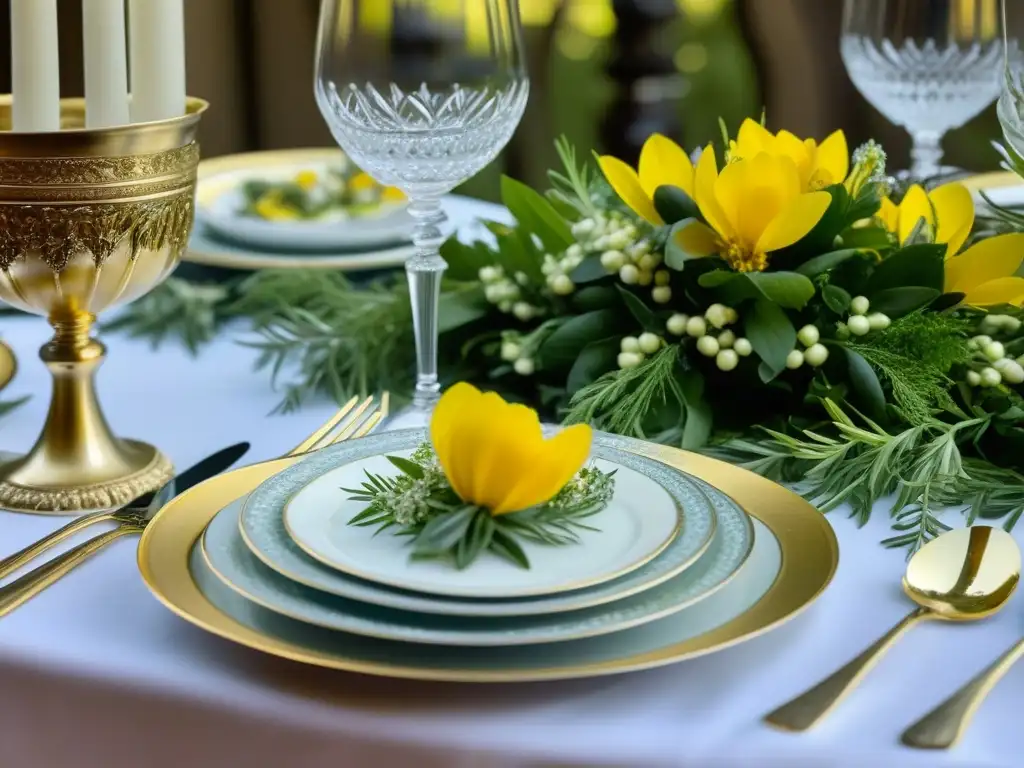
<point>943,727</point>
<point>965,574</point>
<point>8,365</point>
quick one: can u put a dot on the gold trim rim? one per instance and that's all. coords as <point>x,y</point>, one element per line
<point>677,529</point>
<point>981,182</point>
<point>810,556</point>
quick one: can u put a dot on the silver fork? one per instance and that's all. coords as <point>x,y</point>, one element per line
<point>354,419</point>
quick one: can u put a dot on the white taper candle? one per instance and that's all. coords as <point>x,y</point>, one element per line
<point>35,66</point>
<point>106,63</point>
<point>157,54</point>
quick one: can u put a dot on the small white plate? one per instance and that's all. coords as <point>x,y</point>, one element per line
<point>639,522</point>
<point>220,206</point>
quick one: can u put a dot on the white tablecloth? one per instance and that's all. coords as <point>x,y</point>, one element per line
<point>95,672</point>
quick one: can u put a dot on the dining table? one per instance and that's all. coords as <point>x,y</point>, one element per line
<point>96,672</point>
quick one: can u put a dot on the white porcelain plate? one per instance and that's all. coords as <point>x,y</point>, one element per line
<point>639,523</point>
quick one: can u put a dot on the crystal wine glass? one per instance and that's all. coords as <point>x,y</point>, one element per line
<point>928,65</point>
<point>422,94</point>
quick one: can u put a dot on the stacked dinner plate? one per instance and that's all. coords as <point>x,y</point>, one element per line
<point>690,555</point>
<point>227,235</point>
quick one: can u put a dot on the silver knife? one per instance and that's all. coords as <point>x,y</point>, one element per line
<point>132,517</point>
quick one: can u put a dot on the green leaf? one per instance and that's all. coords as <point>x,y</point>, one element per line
<point>566,342</point>
<point>536,215</point>
<point>504,545</point>
<point>864,382</point>
<point>410,468</point>
<point>919,265</point>
<point>460,308</point>
<point>643,314</point>
<point>897,302</point>
<point>867,239</point>
<point>836,299</point>
<point>596,359</point>
<point>444,531</point>
<point>675,255</point>
<point>464,261</point>
<point>594,297</point>
<point>787,289</point>
<point>825,262</point>
<point>673,204</point>
<point>699,418</point>
<point>588,271</point>
<point>771,333</point>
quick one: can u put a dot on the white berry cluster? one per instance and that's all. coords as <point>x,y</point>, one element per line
<point>713,337</point>
<point>506,292</point>
<point>635,349</point>
<point>860,322</point>
<point>513,350</point>
<point>991,366</point>
<point>625,253</point>
<point>556,269</point>
<point>814,352</point>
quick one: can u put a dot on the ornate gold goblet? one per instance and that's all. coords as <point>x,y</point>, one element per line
<point>89,219</point>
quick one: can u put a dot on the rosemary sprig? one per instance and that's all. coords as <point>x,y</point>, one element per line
<point>859,464</point>
<point>422,505</point>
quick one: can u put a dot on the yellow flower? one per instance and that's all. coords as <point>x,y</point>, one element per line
<point>662,163</point>
<point>392,195</point>
<point>495,455</point>
<point>986,272</point>
<point>270,207</point>
<point>307,180</point>
<point>819,165</point>
<point>754,207</point>
<point>948,213</point>
<point>362,182</point>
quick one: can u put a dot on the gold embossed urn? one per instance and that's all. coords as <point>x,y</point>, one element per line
<point>89,220</point>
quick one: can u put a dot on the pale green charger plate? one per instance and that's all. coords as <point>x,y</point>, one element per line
<point>227,557</point>
<point>511,662</point>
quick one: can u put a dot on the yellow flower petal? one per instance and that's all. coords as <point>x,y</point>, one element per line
<point>508,451</point>
<point>794,222</point>
<point>558,460</point>
<point>954,214</point>
<point>460,399</point>
<point>915,206</point>
<point>834,157</point>
<point>1002,290</point>
<point>889,215</point>
<point>987,260</point>
<point>705,181</point>
<point>626,184</point>
<point>698,240</point>
<point>665,163</point>
<point>753,138</point>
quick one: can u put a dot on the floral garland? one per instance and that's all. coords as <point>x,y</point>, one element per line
<point>780,305</point>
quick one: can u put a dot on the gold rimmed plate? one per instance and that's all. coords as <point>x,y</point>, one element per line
<point>793,541</point>
<point>219,179</point>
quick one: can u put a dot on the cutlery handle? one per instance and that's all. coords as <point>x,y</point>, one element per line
<point>10,564</point>
<point>35,581</point>
<point>943,726</point>
<point>808,708</point>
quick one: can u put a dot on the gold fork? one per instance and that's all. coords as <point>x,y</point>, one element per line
<point>354,420</point>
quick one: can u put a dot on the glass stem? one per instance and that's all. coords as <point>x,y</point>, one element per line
<point>424,271</point>
<point>926,155</point>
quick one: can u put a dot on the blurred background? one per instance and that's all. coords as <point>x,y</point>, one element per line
<point>606,73</point>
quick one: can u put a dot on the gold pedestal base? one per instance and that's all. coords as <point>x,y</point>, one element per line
<point>77,465</point>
